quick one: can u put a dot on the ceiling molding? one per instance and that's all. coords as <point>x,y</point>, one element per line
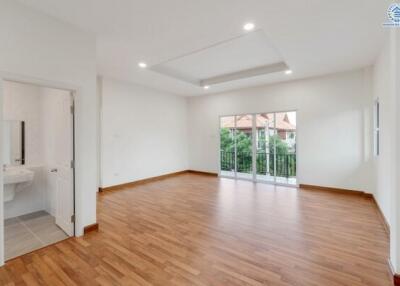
<point>206,48</point>
<point>244,56</point>
<point>165,71</point>
<point>262,70</point>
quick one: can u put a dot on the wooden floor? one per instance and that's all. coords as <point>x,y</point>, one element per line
<point>201,230</point>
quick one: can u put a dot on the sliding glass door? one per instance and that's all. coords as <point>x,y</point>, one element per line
<point>265,147</point>
<point>244,146</point>
<point>285,148</point>
<point>259,147</point>
<point>228,146</point>
<point>236,146</point>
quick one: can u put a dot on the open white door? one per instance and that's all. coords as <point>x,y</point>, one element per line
<point>64,166</point>
<point>65,208</point>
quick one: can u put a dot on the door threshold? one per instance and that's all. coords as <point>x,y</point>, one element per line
<point>41,248</point>
<point>260,181</point>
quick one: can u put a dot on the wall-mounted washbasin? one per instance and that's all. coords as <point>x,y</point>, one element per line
<point>13,178</point>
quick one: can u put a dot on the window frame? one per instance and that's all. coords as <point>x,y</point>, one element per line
<point>376,127</point>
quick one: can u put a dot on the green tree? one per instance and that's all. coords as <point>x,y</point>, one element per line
<point>243,143</point>
<point>281,146</point>
<point>285,164</point>
<point>227,143</point>
<point>244,152</point>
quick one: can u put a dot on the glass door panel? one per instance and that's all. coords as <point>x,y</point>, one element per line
<point>259,147</point>
<point>244,146</point>
<point>265,128</point>
<point>227,146</point>
<point>285,145</point>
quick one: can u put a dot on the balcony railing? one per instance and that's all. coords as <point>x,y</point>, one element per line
<point>285,163</point>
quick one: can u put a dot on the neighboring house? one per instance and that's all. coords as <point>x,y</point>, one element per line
<point>285,129</point>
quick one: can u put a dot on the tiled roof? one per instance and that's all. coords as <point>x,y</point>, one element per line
<point>245,121</point>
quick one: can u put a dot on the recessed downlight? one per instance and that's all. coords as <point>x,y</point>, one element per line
<point>206,87</point>
<point>249,26</point>
<point>142,65</point>
<point>288,72</point>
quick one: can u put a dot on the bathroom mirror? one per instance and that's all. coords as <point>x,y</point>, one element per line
<point>14,142</point>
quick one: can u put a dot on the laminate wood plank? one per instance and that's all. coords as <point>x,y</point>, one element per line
<point>194,229</point>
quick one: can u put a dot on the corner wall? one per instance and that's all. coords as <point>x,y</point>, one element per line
<point>333,121</point>
<point>386,83</point>
<point>143,133</point>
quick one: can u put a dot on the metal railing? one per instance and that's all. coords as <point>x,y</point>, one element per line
<point>265,162</point>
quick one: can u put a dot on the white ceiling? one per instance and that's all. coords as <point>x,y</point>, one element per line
<point>312,37</point>
<point>245,52</point>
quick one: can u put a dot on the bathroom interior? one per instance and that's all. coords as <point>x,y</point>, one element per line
<point>38,167</point>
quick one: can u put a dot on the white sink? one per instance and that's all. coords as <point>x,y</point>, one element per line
<point>14,178</point>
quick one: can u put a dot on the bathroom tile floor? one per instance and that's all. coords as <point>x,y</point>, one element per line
<point>26,233</point>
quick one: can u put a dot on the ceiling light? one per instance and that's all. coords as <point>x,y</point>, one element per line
<point>288,72</point>
<point>249,26</point>
<point>206,87</point>
<point>143,65</point>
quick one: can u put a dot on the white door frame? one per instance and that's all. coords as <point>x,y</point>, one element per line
<point>75,91</point>
<point>254,179</point>
<point>71,165</point>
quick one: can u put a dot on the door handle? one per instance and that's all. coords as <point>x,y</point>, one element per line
<point>54,170</point>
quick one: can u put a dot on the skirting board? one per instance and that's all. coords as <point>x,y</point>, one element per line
<point>153,179</point>
<point>90,228</point>
<point>382,217</point>
<point>139,182</point>
<point>386,226</point>
<point>202,173</point>
<point>352,192</point>
<point>396,279</point>
<point>330,189</point>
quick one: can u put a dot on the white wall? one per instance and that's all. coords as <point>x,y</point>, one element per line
<point>22,102</point>
<point>386,79</point>
<point>29,197</point>
<point>38,48</point>
<point>395,66</point>
<point>333,121</point>
<point>143,133</point>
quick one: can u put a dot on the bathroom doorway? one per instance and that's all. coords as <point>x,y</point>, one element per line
<point>38,170</point>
